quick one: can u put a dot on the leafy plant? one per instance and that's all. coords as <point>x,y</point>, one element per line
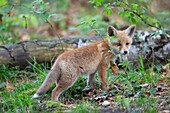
<point>90,24</point>
<point>135,11</point>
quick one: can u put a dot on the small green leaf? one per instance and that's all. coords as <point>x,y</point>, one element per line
<point>127,13</point>
<point>3,2</point>
<point>93,20</point>
<point>111,63</point>
<point>77,25</point>
<point>163,31</point>
<point>149,18</point>
<point>150,27</point>
<point>104,11</point>
<point>156,33</point>
<point>108,12</point>
<point>133,20</point>
<point>126,2</point>
<point>135,6</point>
<point>44,16</point>
<point>120,13</point>
<point>131,14</point>
<point>34,21</point>
<point>154,20</point>
<point>112,93</point>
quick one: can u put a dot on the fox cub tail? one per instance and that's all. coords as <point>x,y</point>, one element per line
<point>48,82</point>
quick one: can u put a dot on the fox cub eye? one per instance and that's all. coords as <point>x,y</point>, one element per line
<point>127,43</point>
<point>118,44</point>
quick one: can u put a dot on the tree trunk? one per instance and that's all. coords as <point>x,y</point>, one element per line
<point>152,49</point>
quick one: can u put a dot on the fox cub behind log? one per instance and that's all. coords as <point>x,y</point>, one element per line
<point>86,60</point>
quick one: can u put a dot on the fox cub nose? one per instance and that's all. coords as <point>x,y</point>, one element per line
<point>125,52</point>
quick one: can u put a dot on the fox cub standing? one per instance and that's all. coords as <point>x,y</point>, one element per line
<point>86,61</point>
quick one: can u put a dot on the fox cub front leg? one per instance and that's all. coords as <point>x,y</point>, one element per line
<point>102,69</point>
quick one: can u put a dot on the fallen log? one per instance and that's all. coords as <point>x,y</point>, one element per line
<point>152,49</point>
<point>42,50</point>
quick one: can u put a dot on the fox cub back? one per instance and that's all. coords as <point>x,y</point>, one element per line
<point>86,60</point>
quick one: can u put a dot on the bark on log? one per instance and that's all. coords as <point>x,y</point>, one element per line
<point>43,50</point>
<point>152,48</point>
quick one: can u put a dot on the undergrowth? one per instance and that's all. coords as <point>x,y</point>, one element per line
<point>18,86</point>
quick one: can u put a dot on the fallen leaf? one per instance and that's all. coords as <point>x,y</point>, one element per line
<point>114,68</point>
<point>9,86</point>
<point>90,94</point>
<point>165,70</point>
<point>147,93</point>
<point>141,81</point>
<point>11,13</point>
<point>162,80</point>
<point>110,89</point>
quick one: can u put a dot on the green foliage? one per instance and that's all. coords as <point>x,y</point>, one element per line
<point>38,68</point>
<point>96,3</point>
<point>18,99</point>
<point>135,11</point>
<point>23,15</point>
<point>26,14</point>
<point>89,24</point>
<point>40,9</point>
<point>149,103</point>
<point>131,84</point>
<point>131,92</point>
<point>53,103</point>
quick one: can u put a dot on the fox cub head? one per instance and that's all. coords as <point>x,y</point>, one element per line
<point>124,39</point>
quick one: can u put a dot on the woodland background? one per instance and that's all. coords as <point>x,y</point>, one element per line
<point>135,89</point>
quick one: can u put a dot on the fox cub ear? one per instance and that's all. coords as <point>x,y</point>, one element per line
<point>131,30</point>
<point>111,31</point>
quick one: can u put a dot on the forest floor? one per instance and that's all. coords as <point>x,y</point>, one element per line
<point>132,91</point>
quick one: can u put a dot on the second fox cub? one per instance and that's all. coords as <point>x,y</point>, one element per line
<point>86,60</point>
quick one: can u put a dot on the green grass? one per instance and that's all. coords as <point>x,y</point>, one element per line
<point>84,107</point>
<point>17,88</point>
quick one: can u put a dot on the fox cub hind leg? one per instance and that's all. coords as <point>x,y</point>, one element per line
<point>90,81</point>
<point>63,84</point>
<point>68,76</point>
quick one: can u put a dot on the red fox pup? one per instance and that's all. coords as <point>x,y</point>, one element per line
<point>86,60</point>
